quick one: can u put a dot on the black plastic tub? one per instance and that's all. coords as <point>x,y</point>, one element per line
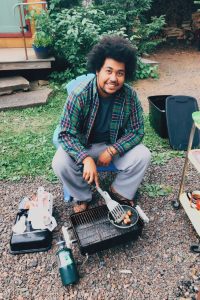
<point>157,114</point>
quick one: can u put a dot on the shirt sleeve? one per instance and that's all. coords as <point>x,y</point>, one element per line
<point>69,136</point>
<point>134,131</point>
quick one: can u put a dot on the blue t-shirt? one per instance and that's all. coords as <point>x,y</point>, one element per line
<point>101,128</point>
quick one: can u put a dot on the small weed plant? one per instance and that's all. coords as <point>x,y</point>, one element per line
<point>145,71</point>
<point>156,190</point>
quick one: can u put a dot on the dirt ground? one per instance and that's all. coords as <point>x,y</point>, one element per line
<point>179,74</point>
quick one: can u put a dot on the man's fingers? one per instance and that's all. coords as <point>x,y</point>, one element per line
<point>96,180</point>
<point>91,179</point>
<point>86,176</point>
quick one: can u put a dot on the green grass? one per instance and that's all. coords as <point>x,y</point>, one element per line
<point>26,140</point>
<point>160,148</point>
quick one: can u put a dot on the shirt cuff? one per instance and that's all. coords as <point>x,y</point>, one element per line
<point>81,156</point>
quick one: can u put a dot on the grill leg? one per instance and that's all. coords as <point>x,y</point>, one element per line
<point>101,259</point>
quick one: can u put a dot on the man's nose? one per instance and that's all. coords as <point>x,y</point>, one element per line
<point>113,77</point>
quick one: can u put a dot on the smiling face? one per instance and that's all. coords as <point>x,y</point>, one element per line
<point>110,78</point>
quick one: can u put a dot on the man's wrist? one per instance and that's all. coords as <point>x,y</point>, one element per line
<point>86,159</point>
<point>111,150</point>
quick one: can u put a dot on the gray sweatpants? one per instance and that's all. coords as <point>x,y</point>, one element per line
<point>132,166</point>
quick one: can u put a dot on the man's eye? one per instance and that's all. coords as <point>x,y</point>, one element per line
<point>108,71</point>
<point>120,74</point>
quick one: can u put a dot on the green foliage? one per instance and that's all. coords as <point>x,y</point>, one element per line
<point>41,39</point>
<point>76,30</point>
<point>75,34</point>
<point>146,70</point>
<point>156,190</point>
<point>130,15</point>
<point>161,151</point>
<point>56,5</point>
<point>62,77</point>
<point>163,157</point>
<point>147,36</point>
<point>153,141</point>
<point>43,34</point>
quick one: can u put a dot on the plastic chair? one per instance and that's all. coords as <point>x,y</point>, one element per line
<point>70,87</point>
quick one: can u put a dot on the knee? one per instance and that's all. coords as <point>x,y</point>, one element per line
<point>144,155</point>
<point>147,155</point>
<point>57,164</point>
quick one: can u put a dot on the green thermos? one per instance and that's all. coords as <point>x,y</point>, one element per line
<point>66,264</point>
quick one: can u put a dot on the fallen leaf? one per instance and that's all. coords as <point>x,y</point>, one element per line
<point>125,271</point>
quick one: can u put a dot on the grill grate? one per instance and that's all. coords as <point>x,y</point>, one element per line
<point>94,232</point>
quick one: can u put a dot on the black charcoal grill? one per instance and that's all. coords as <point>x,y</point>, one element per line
<point>94,232</point>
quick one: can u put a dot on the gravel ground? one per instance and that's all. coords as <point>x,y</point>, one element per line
<point>160,265</point>
<point>160,262</point>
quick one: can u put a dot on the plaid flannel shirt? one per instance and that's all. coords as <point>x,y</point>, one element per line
<point>126,128</point>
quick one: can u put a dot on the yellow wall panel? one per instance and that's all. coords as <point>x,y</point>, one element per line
<point>14,42</point>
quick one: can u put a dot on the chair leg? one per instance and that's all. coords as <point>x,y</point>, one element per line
<point>67,197</point>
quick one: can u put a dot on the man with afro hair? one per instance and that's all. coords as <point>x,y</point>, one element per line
<point>102,122</point>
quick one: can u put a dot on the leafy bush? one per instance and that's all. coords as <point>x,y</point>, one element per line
<point>146,37</point>
<point>130,14</point>
<point>62,77</point>
<point>60,4</point>
<point>76,30</point>
<point>145,70</point>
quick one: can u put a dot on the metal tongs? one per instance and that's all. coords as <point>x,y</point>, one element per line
<point>117,211</point>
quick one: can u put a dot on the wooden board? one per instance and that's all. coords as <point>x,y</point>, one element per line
<point>192,213</point>
<point>25,65</point>
<point>194,157</point>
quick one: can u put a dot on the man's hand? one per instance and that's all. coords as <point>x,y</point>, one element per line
<point>104,158</point>
<point>90,171</point>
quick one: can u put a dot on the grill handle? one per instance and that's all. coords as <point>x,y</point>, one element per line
<point>66,236</point>
<point>72,241</point>
<point>142,214</point>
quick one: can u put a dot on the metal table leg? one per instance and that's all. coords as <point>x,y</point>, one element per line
<point>176,202</point>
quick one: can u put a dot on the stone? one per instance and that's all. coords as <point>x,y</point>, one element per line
<point>149,61</point>
<point>43,82</point>
<point>28,99</point>
<point>8,85</point>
